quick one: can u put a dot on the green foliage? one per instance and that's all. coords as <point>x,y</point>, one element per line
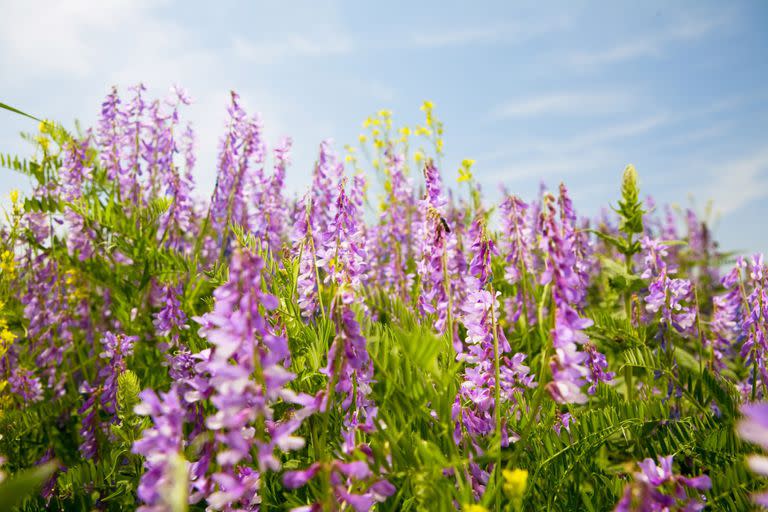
<point>21,486</point>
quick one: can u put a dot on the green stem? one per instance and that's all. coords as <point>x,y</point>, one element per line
<point>539,397</point>
<point>628,311</point>
<point>447,286</point>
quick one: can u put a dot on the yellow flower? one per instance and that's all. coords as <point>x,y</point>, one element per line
<point>362,138</point>
<point>7,265</point>
<point>385,113</point>
<point>470,507</point>
<point>43,141</point>
<point>405,131</point>
<point>418,156</point>
<point>6,338</point>
<point>349,158</point>
<point>43,127</point>
<point>379,143</point>
<point>465,171</point>
<point>515,482</point>
<point>14,196</point>
<point>367,123</point>
<point>427,106</point>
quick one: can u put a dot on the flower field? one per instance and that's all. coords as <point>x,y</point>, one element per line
<point>387,340</point>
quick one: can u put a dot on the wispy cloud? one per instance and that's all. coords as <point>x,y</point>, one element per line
<point>649,46</point>
<point>563,103</point>
<point>42,36</point>
<point>540,168</point>
<point>486,34</point>
<point>593,140</point>
<point>292,46</point>
<point>733,184</point>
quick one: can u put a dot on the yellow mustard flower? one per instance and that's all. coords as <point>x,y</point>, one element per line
<point>515,482</point>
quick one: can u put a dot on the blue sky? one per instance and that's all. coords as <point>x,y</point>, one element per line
<point>535,91</point>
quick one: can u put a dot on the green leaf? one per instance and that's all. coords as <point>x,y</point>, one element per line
<point>618,277</point>
<point>23,484</point>
<point>17,111</point>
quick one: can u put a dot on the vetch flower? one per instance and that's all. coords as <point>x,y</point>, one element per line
<point>657,488</point>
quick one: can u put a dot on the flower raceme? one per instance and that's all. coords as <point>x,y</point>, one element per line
<point>657,488</point>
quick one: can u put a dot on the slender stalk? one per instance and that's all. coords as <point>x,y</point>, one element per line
<point>539,397</point>
<point>447,286</point>
<point>628,310</point>
<point>497,392</point>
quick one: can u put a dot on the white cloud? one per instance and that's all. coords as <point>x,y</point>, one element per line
<point>292,45</point>
<point>733,184</point>
<point>536,168</point>
<point>652,45</point>
<point>486,34</point>
<point>564,103</point>
<point>41,36</point>
<point>584,142</point>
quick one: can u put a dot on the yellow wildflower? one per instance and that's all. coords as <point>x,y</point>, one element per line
<point>465,171</point>
<point>515,482</point>
<point>7,264</point>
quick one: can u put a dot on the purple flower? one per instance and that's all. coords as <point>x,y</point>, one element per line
<point>668,296</point>
<point>755,347</point>
<point>727,317</point>
<point>162,446</point>
<point>517,239</point>
<point>354,484</point>
<point>569,366</point>
<point>104,396</point>
<point>75,175</point>
<point>25,385</point>
<point>657,488</point>
<point>240,149</point>
<point>245,345</point>
<point>440,260</point>
<point>391,247</point>
<point>351,369</point>
<point>342,252</point>
<point>754,428</point>
<point>171,319</point>
<point>304,246</point>
<point>116,349</point>
<point>597,365</point>
<point>475,405</point>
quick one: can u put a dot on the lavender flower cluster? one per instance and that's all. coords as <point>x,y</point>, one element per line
<point>253,350</point>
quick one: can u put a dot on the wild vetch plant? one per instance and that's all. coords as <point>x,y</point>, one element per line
<point>383,341</point>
